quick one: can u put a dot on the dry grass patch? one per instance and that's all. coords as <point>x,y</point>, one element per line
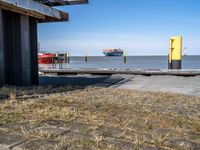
<point>142,117</point>
<point>12,92</point>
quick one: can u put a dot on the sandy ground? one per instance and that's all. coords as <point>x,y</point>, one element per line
<point>171,84</point>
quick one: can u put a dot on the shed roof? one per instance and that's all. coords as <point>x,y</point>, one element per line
<point>40,9</point>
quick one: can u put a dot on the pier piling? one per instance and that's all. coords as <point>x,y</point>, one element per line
<point>86,57</point>
<point>54,62</point>
<point>65,57</point>
<point>68,59</point>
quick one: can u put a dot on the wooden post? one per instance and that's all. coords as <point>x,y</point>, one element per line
<point>86,59</point>
<point>53,62</point>
<point>61,61</point>
<point>58,59</point>
<point>68,59</point>
<point>65,57</point>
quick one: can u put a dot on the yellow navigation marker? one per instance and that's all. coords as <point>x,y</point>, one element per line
<point>124,53</point>
<point>175,52</point>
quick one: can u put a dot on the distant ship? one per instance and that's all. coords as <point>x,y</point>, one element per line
<point>113,52</point>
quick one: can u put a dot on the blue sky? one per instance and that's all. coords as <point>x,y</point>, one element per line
<point>141,27</point>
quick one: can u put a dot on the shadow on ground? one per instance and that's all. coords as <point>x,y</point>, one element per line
<point>58,84</point>
<point>81,81</point>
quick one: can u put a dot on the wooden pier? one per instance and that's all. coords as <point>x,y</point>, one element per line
<point>145,72</point>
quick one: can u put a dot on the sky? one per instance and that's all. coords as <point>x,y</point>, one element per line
<point>140,27</point>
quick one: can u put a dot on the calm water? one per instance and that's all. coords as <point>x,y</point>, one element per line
<point>133,62</point>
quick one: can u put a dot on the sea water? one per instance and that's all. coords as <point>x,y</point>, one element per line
<point>133,62</point>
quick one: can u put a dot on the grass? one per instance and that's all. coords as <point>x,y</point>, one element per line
<point>12,92</point>
<point>136,114</point>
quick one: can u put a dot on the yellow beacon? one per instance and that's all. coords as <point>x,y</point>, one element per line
<point>175,52</point>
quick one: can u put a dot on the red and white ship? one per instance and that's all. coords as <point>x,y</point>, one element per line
<point>45,58</point>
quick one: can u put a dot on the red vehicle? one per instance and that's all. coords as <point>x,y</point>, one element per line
<point>45,58</point>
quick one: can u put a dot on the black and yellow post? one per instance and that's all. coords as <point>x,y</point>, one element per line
<point>175,53</point>
<point>124,56</point>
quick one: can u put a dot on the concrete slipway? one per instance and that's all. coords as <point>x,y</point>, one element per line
<point>179,82</point>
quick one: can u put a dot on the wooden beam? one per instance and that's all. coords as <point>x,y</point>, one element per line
<point>70,2</point>
<point>62,2</point>
<point>35,9</point>
<point>2,70</point>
